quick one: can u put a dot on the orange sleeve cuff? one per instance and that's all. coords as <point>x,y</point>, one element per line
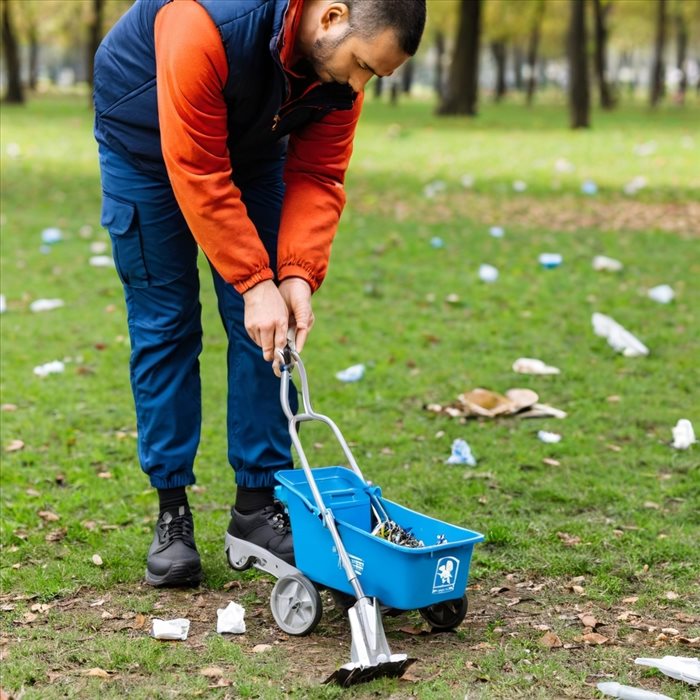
<point>192,70</point>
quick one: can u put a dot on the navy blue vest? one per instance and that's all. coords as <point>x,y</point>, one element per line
<point>126,109</point>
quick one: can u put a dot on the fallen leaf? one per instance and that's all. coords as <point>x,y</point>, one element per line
<point>670,631</point>
<point>693,642</point>
<point>44,607</point>
<point>415,631</point>
<point>551,462</point>
<point>260,648</point>
<point>33,493</point>
<point>594,638</point>
<point>550,640</point>
<point>97,673</point>
<point>409,678</point>
<point>97,560</point>
<point>630,600</point>
<point>27,618</point>
<point>579,590</point>
<point>212,671</point>
<point>48,516</point>
<point>139,621</point>
<point>14,446</point>
<point>671,595</point>
<point>221,683</point>
<point>57,535</point>
<point>568,540</point>
<point>9,407</point>
<point>588,620</point>
<point>104,475</point>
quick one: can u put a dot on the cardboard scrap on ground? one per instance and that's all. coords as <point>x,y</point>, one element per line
<point>484,403</point>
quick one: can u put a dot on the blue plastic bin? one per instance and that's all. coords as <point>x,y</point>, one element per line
<point>400,577</point>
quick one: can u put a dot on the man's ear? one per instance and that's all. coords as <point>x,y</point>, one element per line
<point>335,14</point>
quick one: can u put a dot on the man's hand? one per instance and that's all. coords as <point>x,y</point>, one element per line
<point>269,311</point>
<point>296,293</point>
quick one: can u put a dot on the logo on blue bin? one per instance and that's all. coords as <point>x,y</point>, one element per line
<point>445,574</point>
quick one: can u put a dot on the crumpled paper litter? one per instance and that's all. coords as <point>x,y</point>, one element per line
<point>176,629</point>
<point>230,619</point>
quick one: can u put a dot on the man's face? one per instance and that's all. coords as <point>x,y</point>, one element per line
<point>344,57</point>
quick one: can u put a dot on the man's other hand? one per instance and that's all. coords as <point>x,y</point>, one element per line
<point>266,318</point>
<point>296,293</point>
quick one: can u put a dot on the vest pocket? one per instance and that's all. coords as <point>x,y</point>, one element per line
<point>120,219</point>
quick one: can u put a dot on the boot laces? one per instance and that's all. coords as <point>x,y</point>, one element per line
<point>279,521</point>
<point>177,527</point>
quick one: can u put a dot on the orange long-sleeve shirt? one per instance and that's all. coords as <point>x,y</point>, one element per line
<point>192,70</point>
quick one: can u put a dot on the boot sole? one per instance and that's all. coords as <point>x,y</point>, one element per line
<point>179,575</point>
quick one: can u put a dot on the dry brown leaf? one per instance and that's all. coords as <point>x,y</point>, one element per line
<point>409,678</point>
<point>588,620</point>
<point>139,621</point>
<point>9,407</point>
<point>57,535</point>
<point>579,590</point>
<point>104,475</point>
<point>261,648</point>
<point>630,600</point>
<point>212,672</point>
<point>41,607</point>
<point>14,446</point>
<point>33,493</point>
<point>568,540</point>
<point>550,640</point>
<point>594,638</point>
<point>48,516</point>
<point>97,560</point>
<point>693,642</point>
<point>28,618</point>
<point>414,631</point>
<point>97,673</point>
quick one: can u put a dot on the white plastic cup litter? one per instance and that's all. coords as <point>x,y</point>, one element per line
<point>488,273</point>
<point>352,374</point>
<point>683,434</point>
<point>550,260</point>
<point>52,235</point>
<point>662,293</point>
<point>602,263</point>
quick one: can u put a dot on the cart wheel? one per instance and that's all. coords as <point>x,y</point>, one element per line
<point>240,564</point>
<point>447,615</point>
<point>296,605</point>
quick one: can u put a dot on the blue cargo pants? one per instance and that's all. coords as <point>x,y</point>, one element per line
<point>156,259</point>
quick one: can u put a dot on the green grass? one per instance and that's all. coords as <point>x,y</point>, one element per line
<point>635,506</point>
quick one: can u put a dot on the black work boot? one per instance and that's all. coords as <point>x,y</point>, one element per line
<point>267,528</point>
<point>173,559</point>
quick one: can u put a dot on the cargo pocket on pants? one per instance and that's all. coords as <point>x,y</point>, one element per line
<point>120,219</point>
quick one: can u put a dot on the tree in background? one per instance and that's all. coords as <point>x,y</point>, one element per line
<point>95,33</point>
<point>533,47</point>
<point>656,80</point>
<point>15,93</point>
<point>579,94</point>
<point>463,84</point>
<point>601,11</point>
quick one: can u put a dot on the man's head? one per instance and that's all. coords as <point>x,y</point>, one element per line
<point>351,41</point>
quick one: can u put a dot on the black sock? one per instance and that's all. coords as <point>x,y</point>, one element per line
<point>250,500</point>
<point>172,499</point>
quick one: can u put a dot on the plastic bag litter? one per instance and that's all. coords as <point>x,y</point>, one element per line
<point>682,668</point>
<point>176,629</point>
<point>101,261</point>
<point>531,365</point>
<point>683,434</point>
<point>230,619</point>
<point>55,367</point>
<point>663,293</point>
<point>46,305</point>
<point>548,437</point>
<point>488,273</point>
<point>351,374</point>
<point>602,263</point>
<point>461,454</point>
<point>618,337</point>
<point>627,692</point>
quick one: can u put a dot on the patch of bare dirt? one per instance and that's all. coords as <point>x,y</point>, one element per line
<point>565,213</point>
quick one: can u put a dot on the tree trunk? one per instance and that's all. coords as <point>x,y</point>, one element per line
<point>95,33</point>
<point>682,50</point>
<point>607,101</point>
<point>439,59</point>
<point>33,36</point>
<point>463,87</point>
<point>378,87</point>
<point>499,55</point>
<point>533,48</point>
<point>15,93</point>
<point>407,71</point>
<point>579,95</point>
<point>657,69</point>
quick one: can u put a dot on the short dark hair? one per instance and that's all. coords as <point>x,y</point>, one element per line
<point>405,17</point>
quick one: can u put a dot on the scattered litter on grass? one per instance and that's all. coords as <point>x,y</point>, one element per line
<point>176,629</point>
<point>589,187</point>
<point>46,305</point>
<point>488,273</point>
<point>531,365</point>
<point>662,293</point>
<point>484,403</point>
<point>602,263</point>
<point>519,186</point>
<point>98,247</point>
<point>628,692</point>
<point>467,181</point>
<point>618,338</point>
<point>548,437</point>
<point>562,165</point>
<point>452,298</point>
<point>51,235</point>
<point>230,619</point>
<point>351,374</point>
<point>433,188</point>
<point>101,261</point>
<point>683,434</point>
<point>3,304</point>
<point>461,453</point>
<point>497,231</point>
<point>437,242</point>
<point>97,560</point>
<point>54,367</point>
<point>394,533</point>
<point>682,668</point>
<point>639,182</point>
<point>14,446</point>
<point>550,260</point>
